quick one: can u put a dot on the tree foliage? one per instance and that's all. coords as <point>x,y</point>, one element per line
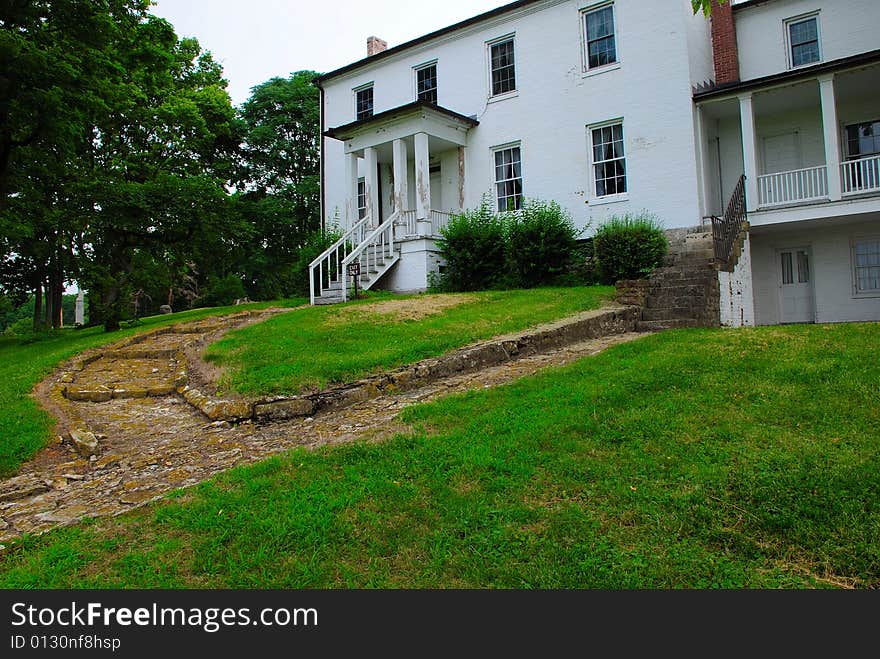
<point>706,5</point>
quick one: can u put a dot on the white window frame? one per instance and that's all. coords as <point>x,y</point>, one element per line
<point>354,99</point>
<point>855,279</point>
<point>513,92</point>
<point>787,23</point>
<point>585,54</point>
<point>361,197</point>
<point>593,197</point>
<point>415,78</point>
<point>495,181</point>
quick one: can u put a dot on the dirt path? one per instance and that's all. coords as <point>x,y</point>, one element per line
<point>152,443</point>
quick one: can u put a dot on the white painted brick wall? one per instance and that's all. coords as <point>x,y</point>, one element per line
<point>737,299</point>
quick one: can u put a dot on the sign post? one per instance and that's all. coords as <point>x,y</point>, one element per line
<point>354,270</point>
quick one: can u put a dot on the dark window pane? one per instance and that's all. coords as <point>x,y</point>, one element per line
<point>503,70</point>
<point>601,47</point>
<point>804,37</point>
<point>364,102</point>
<point>787,270</point>
<point>426,84</point>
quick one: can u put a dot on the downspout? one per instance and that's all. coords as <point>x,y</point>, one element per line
<point>321,158</point>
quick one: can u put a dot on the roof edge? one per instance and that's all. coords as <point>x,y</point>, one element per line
<point>401,109</point>
<point>853,60</point>
<point>479,18</point>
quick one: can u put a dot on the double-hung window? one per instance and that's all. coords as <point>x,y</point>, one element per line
<point>502,66</point>
<point>861,170</point>
<point>362,198</point>
<point>803,41</point>
<point>426,83</point>
<point>508,178</point>
<point>363,101</point>
<point>866,263</point>
<point>600,41</point>
<point>609,159</point>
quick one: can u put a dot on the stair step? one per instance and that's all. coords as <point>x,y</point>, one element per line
<point>673,313</point>
<point>678,323</point>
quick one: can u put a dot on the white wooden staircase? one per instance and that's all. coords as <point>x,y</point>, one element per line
<point>371,248</point>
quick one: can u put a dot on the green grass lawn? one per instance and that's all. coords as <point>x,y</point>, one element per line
<point>24,426</point>
<point>311,348</point>
<point>695,458</point>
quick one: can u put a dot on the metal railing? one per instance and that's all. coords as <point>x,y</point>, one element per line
<point>726,229</point>
<point>371,253</point>
<point>862,175</point>
<point>326,270</point>
<point>799,185</point>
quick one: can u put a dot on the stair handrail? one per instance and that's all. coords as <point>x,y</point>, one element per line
<point>330,251</point>
<point>726,229</point>
<point>382,236</point>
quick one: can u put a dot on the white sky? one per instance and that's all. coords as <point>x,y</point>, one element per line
<point>259,39</point>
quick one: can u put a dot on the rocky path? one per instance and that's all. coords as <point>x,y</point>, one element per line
<point>152,441</point>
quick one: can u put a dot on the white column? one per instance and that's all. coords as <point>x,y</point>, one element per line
<point>371,179</point>
<point>399,155</point>
<point>702,179</point>
<point>423,178</point>
<point>351,196</point>
<point>750,159</point>
<point>832,141</point>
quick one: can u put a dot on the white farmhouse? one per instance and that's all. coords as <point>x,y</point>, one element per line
<point>614,107</point>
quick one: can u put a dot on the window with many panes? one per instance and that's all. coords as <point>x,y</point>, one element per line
<point>503,68</point>
<point>363,100</point>
<point>362,198</point>
<point>803,40</point>
<point>600,41</point>
<point>866,262</point>
<point>609,161</point>
<point>508,178</point>
<point>426,84</point>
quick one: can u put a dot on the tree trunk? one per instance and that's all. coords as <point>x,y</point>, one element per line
<point>38,307</point>
<point>57,289</point>
<point>47,316</point>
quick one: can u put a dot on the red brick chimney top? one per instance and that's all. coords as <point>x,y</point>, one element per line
<point>375,45</point>
<point>724,49</point>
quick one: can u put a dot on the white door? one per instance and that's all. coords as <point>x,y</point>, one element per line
<point>782,153</point>
<point>795,285</point>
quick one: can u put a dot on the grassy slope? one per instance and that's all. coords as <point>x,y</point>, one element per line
<point>697,458</point>
<point>25,427</point>
<point>310,348</point>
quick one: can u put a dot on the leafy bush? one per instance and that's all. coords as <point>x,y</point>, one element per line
<point>540,242</point>
<point>474,248</point>
<point>629,247</point>
<point>315,243</point>
<point>222,291</point>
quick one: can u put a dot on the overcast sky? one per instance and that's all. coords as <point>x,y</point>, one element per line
<point>256,40</point>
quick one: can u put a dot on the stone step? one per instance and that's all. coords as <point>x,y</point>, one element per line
<point>657,325</point>
<point>674,299</point>
<point>672,313</point>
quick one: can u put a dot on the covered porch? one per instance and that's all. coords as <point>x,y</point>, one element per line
<point>407,165</point>
<point>805,141</point>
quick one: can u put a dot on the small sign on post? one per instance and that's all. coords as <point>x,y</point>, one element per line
<point>354,270</point>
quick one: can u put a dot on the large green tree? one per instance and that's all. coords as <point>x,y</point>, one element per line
<point>278,181</point>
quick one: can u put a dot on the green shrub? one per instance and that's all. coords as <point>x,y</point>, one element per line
<point>474,248</point>
<point>315,243</point>
<point>540,243</point>
<point>222,291</point>
<point>629,247</point>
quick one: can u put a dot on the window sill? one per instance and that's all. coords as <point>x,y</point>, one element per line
<point>804,66</point>
<point>869,295</point>
<point>589,73</point>
<point>503,97</point>
<point>610,199</point>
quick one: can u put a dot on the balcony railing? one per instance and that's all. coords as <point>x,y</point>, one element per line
<point>439,220</point>
<point>799,185</point>
<point>858,176</point>
<point>406,225</point>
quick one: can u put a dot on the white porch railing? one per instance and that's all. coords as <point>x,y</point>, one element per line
<point>407,224</point>
<point>799,185</point>
<point>326,270</point>
<point>861,175</point>
<point>371,252</point>
<point>439,220</point>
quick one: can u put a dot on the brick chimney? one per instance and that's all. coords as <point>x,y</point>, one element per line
<point>724,50</point>
<point>375,45</point>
